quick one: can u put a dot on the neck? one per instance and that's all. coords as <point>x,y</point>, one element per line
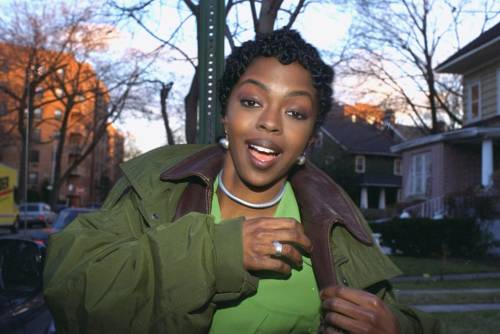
<point>244,202</point>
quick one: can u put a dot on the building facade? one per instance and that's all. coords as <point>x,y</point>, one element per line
<point>438,166</point>
<point>67,102</point>
<point>354,149</point>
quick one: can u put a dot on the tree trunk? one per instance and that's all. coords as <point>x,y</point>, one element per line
<point>165,89</point>
<point>267,16</point>
<point>56,182</point>
<point>21,126</point>
<point>191,105</point>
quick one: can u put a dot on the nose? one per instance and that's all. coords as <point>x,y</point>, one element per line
<point>270,120</point>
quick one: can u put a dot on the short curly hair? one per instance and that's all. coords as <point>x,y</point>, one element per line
<point>287,46</point>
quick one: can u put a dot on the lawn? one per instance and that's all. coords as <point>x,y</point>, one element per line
<point>420,266</point>
<point>484,322</point>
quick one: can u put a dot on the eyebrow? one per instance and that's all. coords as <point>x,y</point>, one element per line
<point>291,94</point>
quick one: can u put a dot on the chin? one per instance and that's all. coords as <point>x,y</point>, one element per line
<point>262,179</point>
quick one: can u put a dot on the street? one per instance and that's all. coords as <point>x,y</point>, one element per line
<point>5,233</point>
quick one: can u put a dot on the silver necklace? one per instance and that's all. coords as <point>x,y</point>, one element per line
<point>238,200</point>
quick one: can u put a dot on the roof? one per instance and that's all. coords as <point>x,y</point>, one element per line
<point>379,180</point>
<point>485,47</point>
<point>359,136</point>
<point>409,132</point>
<point>472,133</point>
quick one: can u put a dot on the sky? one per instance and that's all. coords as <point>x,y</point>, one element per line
<point>324,25</point>
<point>148,134</point>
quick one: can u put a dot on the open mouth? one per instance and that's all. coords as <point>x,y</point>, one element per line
<point>263,154</point>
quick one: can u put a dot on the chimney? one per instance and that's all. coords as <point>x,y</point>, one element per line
<point>388,117</point>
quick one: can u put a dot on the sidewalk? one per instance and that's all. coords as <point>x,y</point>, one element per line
<point>445,277</point>
<point>447,291</point>
<point>457,307</point>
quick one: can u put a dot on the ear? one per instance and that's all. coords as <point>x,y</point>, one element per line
<point>312,140</point>
<point>224,123</point>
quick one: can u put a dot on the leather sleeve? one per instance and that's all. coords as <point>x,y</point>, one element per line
<point>106,274</point>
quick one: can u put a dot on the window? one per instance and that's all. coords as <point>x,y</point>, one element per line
<point>76,116</point>
<point>498,91</point>
<point>39,92</point>
<point>59,92</point>
<point>33,179</point>
<point>4,65</point>
<point>3,108</point>
<point>58,114</point>
<point>74,139</point>
<point>80,98</point>
<point>37,113</point>
<point>359,164</point>
<point>318,142</point>
<point>420,174</point>
<point>37,134</point>
<point>474,101</point>
<point>397,166</point>
<point>38,69</point>
<point>34,156</point>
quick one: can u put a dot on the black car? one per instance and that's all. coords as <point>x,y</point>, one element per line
<point>22,307</point>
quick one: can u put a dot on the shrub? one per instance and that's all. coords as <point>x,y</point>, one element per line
<point>426,237</point>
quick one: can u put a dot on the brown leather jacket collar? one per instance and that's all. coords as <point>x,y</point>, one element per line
<point>321,202</point>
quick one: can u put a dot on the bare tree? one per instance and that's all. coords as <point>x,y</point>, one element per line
<point>264,15</point>
<point>398,42</point>
<point>165,89</point>
<point>50,49</point>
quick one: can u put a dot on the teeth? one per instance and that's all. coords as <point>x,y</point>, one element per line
<point>263,149</point>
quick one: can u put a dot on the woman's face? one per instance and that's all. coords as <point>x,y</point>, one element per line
<point>269,120</point>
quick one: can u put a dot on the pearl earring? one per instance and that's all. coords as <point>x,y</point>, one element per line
<point>301,159</point>
<point>224,142</point>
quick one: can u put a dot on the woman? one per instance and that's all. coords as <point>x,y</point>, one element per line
<point>250,238</point>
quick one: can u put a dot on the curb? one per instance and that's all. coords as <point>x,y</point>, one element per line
<point>445,277</point>
<point>457,308</point>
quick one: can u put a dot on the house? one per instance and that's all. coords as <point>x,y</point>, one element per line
<point>353,147</point>
<point>453,162</point>
<point>68,102</point>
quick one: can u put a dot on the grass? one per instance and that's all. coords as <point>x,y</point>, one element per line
<point>419,266</point>
<point>472,284</point>
<point>484,322</point>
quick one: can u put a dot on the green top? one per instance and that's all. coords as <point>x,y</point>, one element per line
<point>281,305</point>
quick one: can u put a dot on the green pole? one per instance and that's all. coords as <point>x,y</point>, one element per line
<point>211,65</point>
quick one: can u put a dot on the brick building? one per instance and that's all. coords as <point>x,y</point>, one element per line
<point>68,102</point>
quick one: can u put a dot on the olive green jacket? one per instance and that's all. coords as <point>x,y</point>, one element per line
<point>153,261</point>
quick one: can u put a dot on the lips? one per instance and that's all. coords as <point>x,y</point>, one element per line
<point>264,153</point>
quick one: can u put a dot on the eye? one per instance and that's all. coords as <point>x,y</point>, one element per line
<point>249,103</point>
<point>298,115</point>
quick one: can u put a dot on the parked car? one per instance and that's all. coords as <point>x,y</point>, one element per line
<point>22,306</point>
<point>59,207</point>
<point>36,213</point>
<point>64,217</point>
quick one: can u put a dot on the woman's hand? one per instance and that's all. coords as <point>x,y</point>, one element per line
<point>258,248</point>
<point>356,311</point>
